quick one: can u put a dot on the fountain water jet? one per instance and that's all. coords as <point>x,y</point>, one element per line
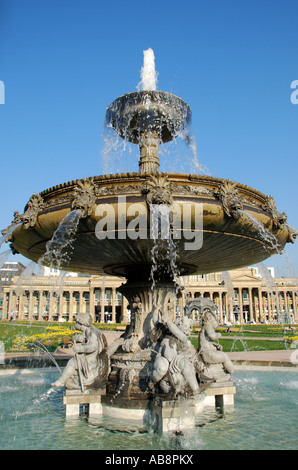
<point>148,72</point>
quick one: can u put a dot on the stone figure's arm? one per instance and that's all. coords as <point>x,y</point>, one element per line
<point>174,329</point>
<point>212,333</point>
<point>89,347</point>
<point>79,338</point>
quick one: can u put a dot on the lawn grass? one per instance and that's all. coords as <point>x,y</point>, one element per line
<point>9,331</point>
<point>239,345</point>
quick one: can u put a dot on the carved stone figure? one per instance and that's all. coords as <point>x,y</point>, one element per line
<point>158,190</point>
<point>217,364</point>
<point>89,368</point>
<point>279,218</point>
<point>228,194</point>
<point>134,333</point>
<point>84,197</point>
<point>17,218</point>
<point>34,205</point>
<point>173,368</point>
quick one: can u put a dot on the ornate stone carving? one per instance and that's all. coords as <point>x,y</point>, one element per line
<point>231,201</point>
<point>17,219</point>
<point>134,335</point>
<point>34,206</point>
<point>173,369</point>
<point>292,234</point>
<point>90,366</point>
<point>217,366</point>
<point>84,197</point>
<point>279,218</point>
<point>158,190</point>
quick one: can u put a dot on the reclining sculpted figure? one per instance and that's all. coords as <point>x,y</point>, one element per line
<point>89,368</point>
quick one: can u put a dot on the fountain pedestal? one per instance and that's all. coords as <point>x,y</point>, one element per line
<point>163,415</point>
<point>73,399</point>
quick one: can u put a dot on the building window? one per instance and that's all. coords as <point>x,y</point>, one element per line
<point>97,295</point>
<point>108,296</point>
<point>86,297</point>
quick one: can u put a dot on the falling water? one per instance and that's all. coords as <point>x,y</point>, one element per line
<point>163,252</point>
<point>4,257</point>
<point>230,293</point>
<point>270,283</point>
<point>58,288</point>
<point>37,344</point>
<point>148,72</point>
<point>263,232</point>
<point>8,233</point>
<point>59,247</point>
<point>25,277</point>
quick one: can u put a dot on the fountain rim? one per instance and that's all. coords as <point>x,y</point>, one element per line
<point>142,92</point>
<point>133,176</point>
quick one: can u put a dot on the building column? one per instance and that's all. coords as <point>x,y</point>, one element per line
<point>81,303</point>
<point>71,302</point>
<point>51,305</point>
<point>40,305</point>
<point>60,312</point>
<point>261,317</point>
<point>251,305</point>
<point>240,304</point>
<point>113,305</point>
<point>30,307</point>
<point>102,305</point>
<point>4,309</point>
<point>91,303</point>
<point>21,304</point>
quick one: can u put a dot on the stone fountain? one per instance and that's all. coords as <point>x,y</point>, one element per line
<point>150,227</point>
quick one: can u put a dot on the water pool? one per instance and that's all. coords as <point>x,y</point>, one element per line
<point>264,417</point>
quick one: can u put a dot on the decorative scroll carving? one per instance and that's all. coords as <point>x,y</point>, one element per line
<point>84,197</point>
<point>279,218</point>
<point>231,201</point>
<point>34,206</point>
<point>158,190</point>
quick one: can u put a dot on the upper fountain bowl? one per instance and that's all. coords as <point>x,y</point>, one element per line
<point>153,111</point>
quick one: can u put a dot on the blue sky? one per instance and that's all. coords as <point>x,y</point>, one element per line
<point>64,61</point>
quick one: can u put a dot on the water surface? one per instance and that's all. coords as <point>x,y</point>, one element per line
<point>32,416</point>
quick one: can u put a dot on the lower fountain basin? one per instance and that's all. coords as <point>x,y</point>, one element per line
<point>263,417</point>
<point>232,224</point>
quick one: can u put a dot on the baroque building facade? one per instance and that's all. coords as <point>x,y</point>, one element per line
<point>240,295</point>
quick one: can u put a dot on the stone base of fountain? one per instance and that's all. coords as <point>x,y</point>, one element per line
<point>162,415</point>
<point>74,399</point>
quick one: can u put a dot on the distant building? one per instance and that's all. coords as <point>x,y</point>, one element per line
<point>241,296</point>
<point>8,271</point>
